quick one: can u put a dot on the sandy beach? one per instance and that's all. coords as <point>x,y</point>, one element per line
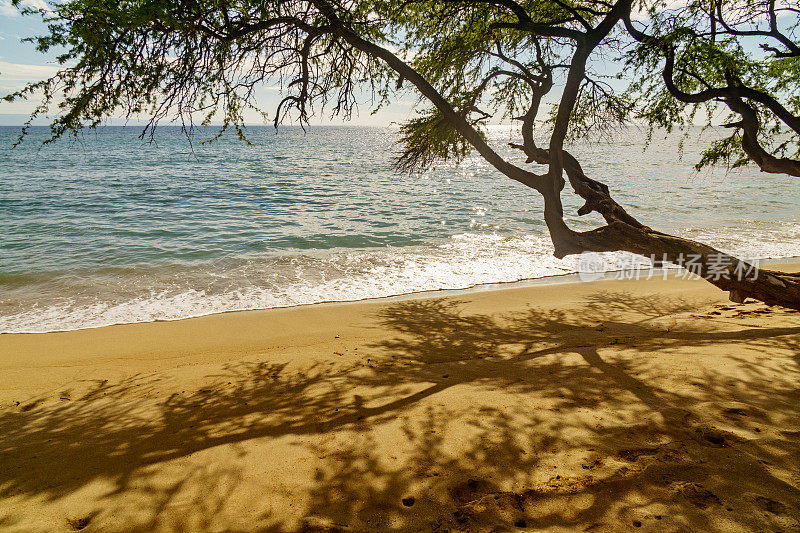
<point>615,405</point>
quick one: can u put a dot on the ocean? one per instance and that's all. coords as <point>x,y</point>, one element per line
<point>108,229</point>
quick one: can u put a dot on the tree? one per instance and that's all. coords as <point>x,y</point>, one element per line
<point>468,60</point>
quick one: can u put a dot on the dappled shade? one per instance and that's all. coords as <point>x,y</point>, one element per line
<point>457,421</point>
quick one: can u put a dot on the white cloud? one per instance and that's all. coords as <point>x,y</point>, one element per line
<point>640,13</point>
<point>8,10</point>
<point>20,72</point>
<point>37,4</point>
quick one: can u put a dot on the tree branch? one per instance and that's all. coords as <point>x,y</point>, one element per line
<point>407,72</point>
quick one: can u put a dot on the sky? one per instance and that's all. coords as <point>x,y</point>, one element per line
<point>20,64</point>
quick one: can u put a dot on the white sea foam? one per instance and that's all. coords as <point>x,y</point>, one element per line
<point>752,239</point>
<point>464,260</point>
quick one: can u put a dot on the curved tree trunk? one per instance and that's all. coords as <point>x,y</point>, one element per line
<point>624,233</point>
<point>727,272</point>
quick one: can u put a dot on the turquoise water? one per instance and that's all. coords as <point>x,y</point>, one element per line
<point>110,229</point>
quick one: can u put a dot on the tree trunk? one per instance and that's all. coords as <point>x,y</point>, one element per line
<point>728,273</point>
<point>624,233</point>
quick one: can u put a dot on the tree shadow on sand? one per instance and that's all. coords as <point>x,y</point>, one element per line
<point>458,421</point>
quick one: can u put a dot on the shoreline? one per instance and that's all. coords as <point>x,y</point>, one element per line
<point>596,405</point>
<point>553,279</point>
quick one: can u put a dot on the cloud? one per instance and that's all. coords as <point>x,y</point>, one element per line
<point>15,76</point>
<point>8,10</point>
<point>639,11</point>
<point>20,72</point>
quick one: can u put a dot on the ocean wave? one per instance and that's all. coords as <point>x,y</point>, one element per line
<point>117,296</point>
<point>169,293</point>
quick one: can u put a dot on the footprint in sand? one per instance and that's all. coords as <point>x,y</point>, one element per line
<point>633,454</point>
<point>770,506</point>
<point>733,412</point>
<point>77,524</point>
<point>718,438</point>
<point>471,490</point>
<point>31,405</point>
<point>697,494</point>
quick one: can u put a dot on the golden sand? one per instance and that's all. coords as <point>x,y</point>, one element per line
<point>608,406</point>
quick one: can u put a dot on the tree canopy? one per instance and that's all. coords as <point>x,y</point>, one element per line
<point>598,65</point>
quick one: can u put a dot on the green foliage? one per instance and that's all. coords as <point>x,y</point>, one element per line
<point>191,61</point>
<point>427,139</point>
<point>726,150</point>
<point>703,61</point>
